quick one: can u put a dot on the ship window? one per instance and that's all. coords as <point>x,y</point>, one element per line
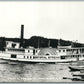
<point>68,50</point>
<point>28,50</point>
<point>73,55</point>
<point>24,56</point>
<point>13,56</point>
<point>59,50</point>
<point>36,51</point>
<point>35,57</point>
<point>30,57</point>
<point>62,57</point>
<point>47,53</point>
<point>27,57</point>
<point>63,50</point>
<point>13,45</point>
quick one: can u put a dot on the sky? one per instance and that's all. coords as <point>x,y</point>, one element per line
<point>49,19</point>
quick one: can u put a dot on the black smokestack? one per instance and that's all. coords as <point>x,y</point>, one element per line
<point>22,34</point>
<point>22,31</point>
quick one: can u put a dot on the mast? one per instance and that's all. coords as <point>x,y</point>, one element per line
<point>49,43</point>
<point>58,42</point>
<point>71,43</point>
<point>38,42</point>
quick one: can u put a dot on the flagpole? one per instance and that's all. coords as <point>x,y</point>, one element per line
<point>49,43</point>
<point>38,42</point>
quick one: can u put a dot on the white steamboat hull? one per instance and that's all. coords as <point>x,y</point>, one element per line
<point>20,58</point>
<point>39,61</point>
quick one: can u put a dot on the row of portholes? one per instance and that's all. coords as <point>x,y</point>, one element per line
<point>72,56</point>
<point>28,57</point>
<point>61,50</point>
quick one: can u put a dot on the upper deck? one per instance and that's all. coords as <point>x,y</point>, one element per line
<point>14,47</point>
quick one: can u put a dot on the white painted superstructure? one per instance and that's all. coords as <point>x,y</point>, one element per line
<point>13,52</point>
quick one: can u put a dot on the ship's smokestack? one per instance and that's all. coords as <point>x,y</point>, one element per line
<point>22,31</point>
<point>22,35</point>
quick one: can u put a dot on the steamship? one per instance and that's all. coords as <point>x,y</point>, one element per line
<point>14,51</point>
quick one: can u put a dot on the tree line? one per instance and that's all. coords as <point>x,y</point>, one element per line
<point>38,41</point>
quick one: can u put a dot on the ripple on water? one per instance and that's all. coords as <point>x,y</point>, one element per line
<point>21,72</point>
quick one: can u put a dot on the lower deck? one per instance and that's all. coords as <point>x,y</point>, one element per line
<point>41,58</point>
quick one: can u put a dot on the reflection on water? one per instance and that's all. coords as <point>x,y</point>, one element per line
<point>23,72</point>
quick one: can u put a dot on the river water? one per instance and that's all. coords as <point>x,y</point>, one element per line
<point>25,72</point>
